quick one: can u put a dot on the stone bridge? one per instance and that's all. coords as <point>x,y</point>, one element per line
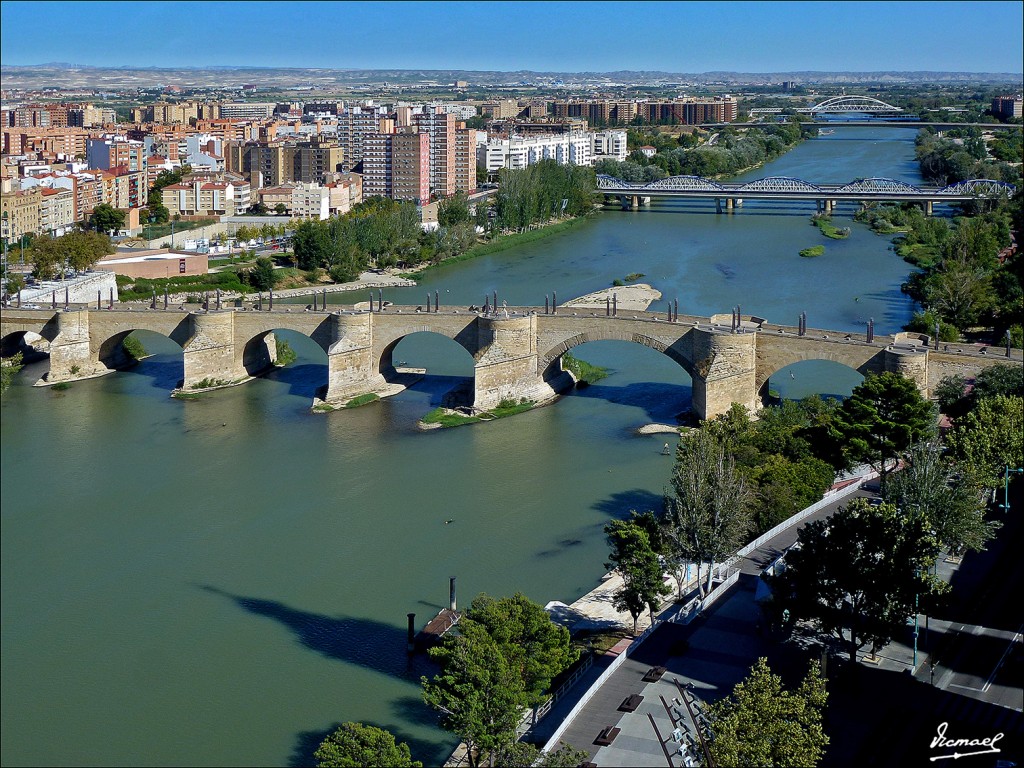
<point>516,353</point>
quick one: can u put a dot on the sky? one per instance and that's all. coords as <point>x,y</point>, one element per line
<point>687,37</point>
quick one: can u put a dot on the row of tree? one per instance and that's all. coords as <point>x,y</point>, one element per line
<point>966,277</point>
<point>962,156</point>
<point>76,251</point>
<point>542,191</point>
<point>735,149</point>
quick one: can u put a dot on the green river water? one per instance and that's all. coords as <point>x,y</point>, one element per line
<point>219,581</point>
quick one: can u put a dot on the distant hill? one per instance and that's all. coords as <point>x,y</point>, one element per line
<point>64,75</point>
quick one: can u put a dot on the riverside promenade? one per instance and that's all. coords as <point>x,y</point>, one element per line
<point>711,649</point>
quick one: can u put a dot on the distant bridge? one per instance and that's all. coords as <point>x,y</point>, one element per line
<point>516,352</point>
<point>897,123</point>
<point>788,188</point>
<point>838,105</point>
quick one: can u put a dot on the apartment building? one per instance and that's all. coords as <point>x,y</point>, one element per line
<point>397,165</point>
<point>56,211</point>
<point>116,152</point>
<point>719,109</point>
<point>500,109</point>
<point>88,116</point>
<point>279,161</point>
<point>440,128</point>
<point>123,188</point>
<point>200,198</point>
<point>357,123</point>
<point>608,145</point>
<point>247,110</point>
<point>1007,107</point>
<point>20,209</point>
<point>517,152</point>
<point>466,142</point>
<point>69,142</point>
<point>346,191</point>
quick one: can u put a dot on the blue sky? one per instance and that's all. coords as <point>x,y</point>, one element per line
<point>539,36</point>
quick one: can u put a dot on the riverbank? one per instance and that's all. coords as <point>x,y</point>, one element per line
<point>499,243</point>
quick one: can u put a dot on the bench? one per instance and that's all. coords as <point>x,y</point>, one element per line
<point>606,736</point>
<point>630,703</point>
<point>654,674</point>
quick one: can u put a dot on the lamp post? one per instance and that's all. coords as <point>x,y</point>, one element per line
<point>1007,469</point>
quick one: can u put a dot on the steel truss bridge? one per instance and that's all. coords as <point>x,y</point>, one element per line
<point>839,105</point>
<point>789,188</point>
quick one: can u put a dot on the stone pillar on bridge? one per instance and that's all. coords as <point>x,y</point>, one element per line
<point>350,369</point>
<point>927,207</point>
<point>209,355</point>
<point>725,371</point>
<point>506,367</point>
<point>729,203</point>
<point>910,363</point>
<point>70,351</point>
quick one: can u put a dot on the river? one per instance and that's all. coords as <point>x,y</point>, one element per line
<point>219,581</point>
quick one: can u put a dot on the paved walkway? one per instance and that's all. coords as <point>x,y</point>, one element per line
<point>712,654</point>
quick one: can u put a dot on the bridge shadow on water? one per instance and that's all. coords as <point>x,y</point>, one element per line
<point>365,642</point>
<point>302,380</point>
<point>661,401</point>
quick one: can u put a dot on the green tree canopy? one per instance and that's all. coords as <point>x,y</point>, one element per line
<point>454,210</point>
<point>354,745</point>
<point>534,644</point>
<point>856,574</point>
<point>762,724</point>
<point>988,438</point>
<point>881,419</point>
<point>479,693</point>
<point>638,564</point>
<point>950,503</point>
<point>105,218</point>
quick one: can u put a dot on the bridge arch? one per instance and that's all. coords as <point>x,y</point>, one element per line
<point>112,355</point>
<point>27,342</point>
<point>780,184</point>
<point>686,184</point>
<point>880,184</point>
<point>549,363</point>
<point>813,376</point>
<point>853,104</point>
<point>980,187</point>
<point>260,352</point>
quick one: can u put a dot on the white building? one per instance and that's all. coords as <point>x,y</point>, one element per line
<point>520,151</point>
<point>608,145</point>
<point>310,201</point>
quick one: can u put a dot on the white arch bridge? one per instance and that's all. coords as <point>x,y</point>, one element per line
<point>838,105</point>
<point>876,189</point>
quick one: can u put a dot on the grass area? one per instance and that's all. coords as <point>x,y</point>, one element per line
<point>632,277</point>
<point>324,408</point>
<point>828,229</point>
<point>156,231</point>
<point>582,370</point>
<point>600,641</point>
<point>187,395</point>
<point>133,347</point>
<point>920,255</point>
<point>813,251</point>
<point>501,243</point>
<point>60,386</point>
<point>9,368</point>
<point>369,397</point>
<point>449,418</point>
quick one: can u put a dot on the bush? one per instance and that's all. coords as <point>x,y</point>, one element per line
<point>813,251</point>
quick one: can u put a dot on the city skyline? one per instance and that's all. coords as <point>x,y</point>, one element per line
<point>750,37</point>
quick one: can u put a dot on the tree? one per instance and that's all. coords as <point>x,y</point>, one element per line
<point>354,745</point>
<point>761,723</point>
<point>259,208</point>
<point>106,218</point>
<point>454,210</point>
<point>479,693</point>
<point>881,419</point>
<point>523,755</point>
<point>281,209</point>
<point>857,573</point>
<point>530,640</point>
<point>709,507</point>
<point>637,563</point>
<point>988,438</point>
<point>952,505</point>
<point>262,276</point>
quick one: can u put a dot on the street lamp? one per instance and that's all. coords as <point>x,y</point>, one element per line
<point>1006,484</point>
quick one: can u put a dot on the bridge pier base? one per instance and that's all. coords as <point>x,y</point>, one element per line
<point>507,367</point>
<point>350,363</point>
<point>928,208</point>
<point>725,366</point>
<point>71,356</point>
<point>729,203</point>
<point>209,355</point>
<point>718,205</point>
